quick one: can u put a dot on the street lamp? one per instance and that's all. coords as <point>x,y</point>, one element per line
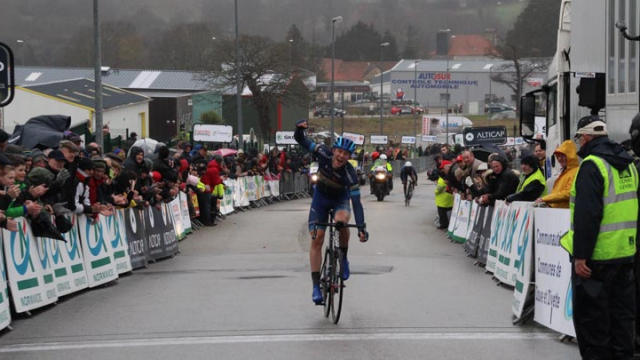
<point>415,97</point>
<point>238,83</point>
<point>382,46</point>
<point>290,53</point>
<point>335,20</point>
<point>448,80</point>
<point>21,42</point>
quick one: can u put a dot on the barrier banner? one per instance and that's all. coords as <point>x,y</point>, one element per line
<point>5,313</point>
<point>259,186</point>
<point>161,238</point>
<point>98,257</point>
<point>226,206</point>
<point>266,187</point>
<point>136,237</point>
<point>184,208</point>
<point>462,221</point>
<point>170,233</point>
<point>114,224</point>
<point>24,271</point>
<point>196,205</point>
<point>497,228</point>
<point>68,265</point>
<point>518,221</point>
<point>250,183</point>
<point>471,245</point>
<point>454,215</point>
<point>44,256</point>
<point>523,259</point>
<point>274,187</point>
<point>473,212</point>
<point>176,218</point>
<point>240,196</point>
<point>553,296</point>
<point>485,235</point>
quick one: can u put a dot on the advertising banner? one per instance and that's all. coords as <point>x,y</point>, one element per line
<point>553,295</point>
<point>158,224</point>
<point>226,206</point>
<point>115,230</point>
<point>240,197</point>
<point>379,139</point>
<point>68,264</point>
<point>497,226</point>
<point>136,237</point>
<point>519,219</point>
<point>523,258</point>
<point>471,245</point>
<point>184,208</point>
<point>97,254</point>
<point>212,133</point>
<point>44,256</point>
<point>462,221</point>
<point>24,271</point>
<point>356,138</point>
<point>485,235</point>
<point>408,140</point>
<point>169,235</point>
<point>285,138</point>
<point>454,215</point>
<point>176,217</point>
<point>5,313</point>
<point>250,186</point>
<point>274,187</point>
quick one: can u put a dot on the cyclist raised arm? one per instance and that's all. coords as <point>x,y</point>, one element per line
<point>337,188</point>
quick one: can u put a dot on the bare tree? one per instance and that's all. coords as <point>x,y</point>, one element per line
<point>512,75</point>
<point>264,69</point>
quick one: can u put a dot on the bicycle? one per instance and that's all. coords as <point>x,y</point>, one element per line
<point>409,191</point>
<point>331,281</point>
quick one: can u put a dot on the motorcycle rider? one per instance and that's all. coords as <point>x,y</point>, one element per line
<point>382,161</point>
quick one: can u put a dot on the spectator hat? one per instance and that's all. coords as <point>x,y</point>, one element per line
<point>459,158</point>
<point>133,134</point>
<point>15,150</point>
<point>156,176</point>
<point>57,155</point>
<point>38,176</point>
<point>444,163</point>
<point>99,164</point>
<point>591,125</point>
<point>530,160</point>
<point>85,164</point>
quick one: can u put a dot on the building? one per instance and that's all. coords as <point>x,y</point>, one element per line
<point>76,98</point>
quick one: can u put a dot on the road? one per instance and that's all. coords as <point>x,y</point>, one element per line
<point>242,290</point>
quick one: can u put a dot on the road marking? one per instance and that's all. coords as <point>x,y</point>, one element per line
<point>242,339</point>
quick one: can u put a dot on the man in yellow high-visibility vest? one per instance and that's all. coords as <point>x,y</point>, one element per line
<point>602,244</point>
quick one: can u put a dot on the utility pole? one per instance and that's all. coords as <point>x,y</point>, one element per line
<point>97,52</point>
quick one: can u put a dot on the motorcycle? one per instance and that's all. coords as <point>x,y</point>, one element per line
<point>380,185</point>
<point>313,176</point>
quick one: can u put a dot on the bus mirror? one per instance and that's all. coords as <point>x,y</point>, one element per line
<point>528,115</point>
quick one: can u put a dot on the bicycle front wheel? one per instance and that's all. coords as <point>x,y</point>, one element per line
<point>337,286</point>
<point>325,282</point>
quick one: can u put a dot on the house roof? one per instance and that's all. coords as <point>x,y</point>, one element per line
<point>471,45</point>
<point>81,92</point>
<point>352,70</point>
<point>125,79</point>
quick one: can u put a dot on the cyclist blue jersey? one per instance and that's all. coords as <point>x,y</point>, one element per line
<point>407,171</point>
<point>335,186</point>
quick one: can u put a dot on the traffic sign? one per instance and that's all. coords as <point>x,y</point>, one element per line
<point>7,79</point>
<point>485,135</point>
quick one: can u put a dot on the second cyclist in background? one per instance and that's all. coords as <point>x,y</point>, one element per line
<point>408,171</point>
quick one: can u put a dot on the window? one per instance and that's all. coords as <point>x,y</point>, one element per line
<point>621,49</point>
<point>445,97</point>
<point>611,50</point>
<point>633,46</point>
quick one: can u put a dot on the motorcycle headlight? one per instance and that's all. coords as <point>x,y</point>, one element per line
<point>314,177</point>
<point>381,176</point>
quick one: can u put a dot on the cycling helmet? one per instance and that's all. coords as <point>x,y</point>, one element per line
<point>375,155</point>
<point>383,157</point>
<point>408,164</point>
<point>344,144</point>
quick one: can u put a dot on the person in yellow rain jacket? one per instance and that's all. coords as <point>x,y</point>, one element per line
<point>567,157</point>
<point>444,199</point>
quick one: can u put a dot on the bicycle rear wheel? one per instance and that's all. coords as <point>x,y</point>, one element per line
<point>337,286</point>
<point>409,193</point>
<point>325,282</point>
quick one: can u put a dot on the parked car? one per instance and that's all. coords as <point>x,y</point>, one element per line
<point>327,112</point>
<point>399,110</point>
<point>496,108</point>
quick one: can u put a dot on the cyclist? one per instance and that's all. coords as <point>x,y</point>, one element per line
<point>408,171</point>
<point>337,187</point>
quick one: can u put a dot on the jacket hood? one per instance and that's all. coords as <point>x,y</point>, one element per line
<point>610,151</point>
<point>214,164</point>
<point>568,148</point>
<point>135,151</point>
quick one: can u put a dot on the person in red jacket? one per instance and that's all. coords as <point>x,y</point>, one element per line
<point>213,185</point>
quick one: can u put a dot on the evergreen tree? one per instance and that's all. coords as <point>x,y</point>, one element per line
<point>410,50</point>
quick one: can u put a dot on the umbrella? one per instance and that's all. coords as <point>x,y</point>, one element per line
<point>147,145</point>
<point>225,152</point>
<point>42,132</point>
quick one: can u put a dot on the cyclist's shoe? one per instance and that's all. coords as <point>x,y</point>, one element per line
<point>317,295</point>
<point>345,269</point>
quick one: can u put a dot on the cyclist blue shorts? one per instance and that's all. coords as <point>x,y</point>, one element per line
<point>321,204</point>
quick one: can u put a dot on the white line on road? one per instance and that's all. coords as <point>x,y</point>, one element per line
<point>214,340</point>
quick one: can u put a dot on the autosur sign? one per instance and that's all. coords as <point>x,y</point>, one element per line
<point>485,135</point>
<point>7,80</point>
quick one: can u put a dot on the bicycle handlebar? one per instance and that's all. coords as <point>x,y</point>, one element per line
<point>338,225</point>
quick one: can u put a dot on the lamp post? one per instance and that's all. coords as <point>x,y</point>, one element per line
<point>415,97</point>
<point>238,84</point>
<point>335,20</point>
<point>290,53</point>
<point>382,46</point>
<point>447,84</point>
<point>21,42</point>
<point>97,53</point>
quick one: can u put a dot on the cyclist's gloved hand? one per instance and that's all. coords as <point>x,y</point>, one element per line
<point>363,234</point>
<point>301,124</point>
